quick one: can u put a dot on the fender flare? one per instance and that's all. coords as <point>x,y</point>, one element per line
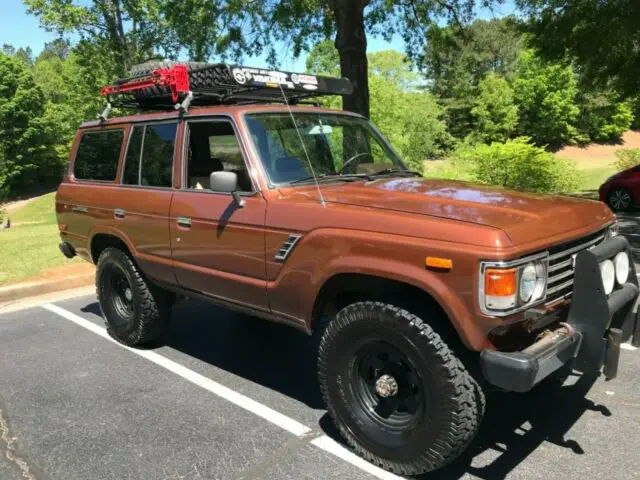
<point>462,320</point>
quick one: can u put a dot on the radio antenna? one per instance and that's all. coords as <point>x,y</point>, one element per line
<point>304,149</point>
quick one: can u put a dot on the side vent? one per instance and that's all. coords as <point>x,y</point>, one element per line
<point>286,247</point>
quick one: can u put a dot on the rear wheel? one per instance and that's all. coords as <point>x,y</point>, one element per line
<point>620,199</point>
<point>135,312</point>
<point>395,390</point>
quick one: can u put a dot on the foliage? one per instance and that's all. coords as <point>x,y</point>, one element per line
<point>457,60</point>
<point>494,111</point>
<point>411,119</point>
<point>412,122</point>
<point>602,118</point>
<point>257,28</point>
<point>516,164</point>
<point>124,31</point>
<point>71,93</point>
<point>545,94</point>
<point>602,37</point>
<point>25,139</point>
<point>627,158</point>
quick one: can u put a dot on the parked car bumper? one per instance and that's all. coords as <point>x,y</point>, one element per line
<point>591,335</point>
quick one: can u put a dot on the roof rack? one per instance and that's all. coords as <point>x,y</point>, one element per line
<point>179,86</point>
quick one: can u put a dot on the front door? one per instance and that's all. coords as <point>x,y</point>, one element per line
<point>218,247</point>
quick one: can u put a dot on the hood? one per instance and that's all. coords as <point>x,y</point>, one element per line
<point>524,217</point>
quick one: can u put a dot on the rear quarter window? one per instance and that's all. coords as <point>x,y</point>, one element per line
<point>98,155</point>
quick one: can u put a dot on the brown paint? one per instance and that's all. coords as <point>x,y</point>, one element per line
<point>385,227</point>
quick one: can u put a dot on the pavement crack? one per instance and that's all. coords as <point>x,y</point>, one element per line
<point>8,446</point>
<point>262,468</point>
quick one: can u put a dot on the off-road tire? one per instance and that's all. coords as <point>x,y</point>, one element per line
<point>150,305</point>
<point>453,400</point>
<point>202,75</point>
<point>148,67</point>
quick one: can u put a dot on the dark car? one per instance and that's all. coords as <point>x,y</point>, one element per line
<point>622,190</point>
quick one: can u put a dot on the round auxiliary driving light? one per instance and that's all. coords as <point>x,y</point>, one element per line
<point>527,282</point>
<point>608,273</point>
<point>621,262</point>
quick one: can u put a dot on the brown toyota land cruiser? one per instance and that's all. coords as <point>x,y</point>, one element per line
<point>424,294</point>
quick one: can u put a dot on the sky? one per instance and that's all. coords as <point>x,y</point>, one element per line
<point>22,30</point>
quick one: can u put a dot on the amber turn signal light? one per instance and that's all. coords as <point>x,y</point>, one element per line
<point>439,263</point>
<point>500,282</point>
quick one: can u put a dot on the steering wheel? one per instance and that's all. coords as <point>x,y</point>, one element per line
<point>351,159</point>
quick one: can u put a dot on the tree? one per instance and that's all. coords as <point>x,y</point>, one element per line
<point>123,32</point>
<point>545,94</point>
<point>411,119</point>
<point>229,26</point>
<point>71,96</point>
<point>494,111</point>
<point>25,147</point>
<point>455,61</point>
<point>8,50</point>
<point>58,48</point>
<point>602,37</point>
<point>603,116</point>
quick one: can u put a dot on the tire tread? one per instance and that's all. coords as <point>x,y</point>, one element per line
<point>467,408</point>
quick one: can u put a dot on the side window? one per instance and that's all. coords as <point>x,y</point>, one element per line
<point>98,154</point>
<point>149,160</point>
<point>214,147</point>
<point>131,175</point>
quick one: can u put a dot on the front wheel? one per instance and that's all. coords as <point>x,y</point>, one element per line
<point>397,393</point>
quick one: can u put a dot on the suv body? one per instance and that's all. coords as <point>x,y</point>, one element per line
<point>418,255</point>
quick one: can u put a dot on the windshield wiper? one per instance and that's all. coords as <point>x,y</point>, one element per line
<point>387,171</point>
<point>343,177</point>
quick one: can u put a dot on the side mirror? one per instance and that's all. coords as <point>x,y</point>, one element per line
<point>226,182</point>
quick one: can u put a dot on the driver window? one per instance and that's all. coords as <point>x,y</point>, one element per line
<point>213,147</point>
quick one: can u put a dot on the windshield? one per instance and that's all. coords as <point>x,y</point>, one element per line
<point>336,145</point>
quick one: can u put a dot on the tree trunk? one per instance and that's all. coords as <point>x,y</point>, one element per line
<point>351,43</point>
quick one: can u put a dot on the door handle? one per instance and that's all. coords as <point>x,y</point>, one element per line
<point>79,209</point>
<point>184,222</point>
<point>118,213</point>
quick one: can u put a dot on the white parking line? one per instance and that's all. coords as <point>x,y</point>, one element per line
<point>628,346</point>
<point>289,424</point>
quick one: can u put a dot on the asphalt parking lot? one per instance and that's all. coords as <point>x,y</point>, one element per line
<point>230,396</point>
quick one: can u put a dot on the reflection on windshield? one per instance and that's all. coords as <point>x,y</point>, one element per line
<point>330,144</point>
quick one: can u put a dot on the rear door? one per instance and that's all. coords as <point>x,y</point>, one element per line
<point>218,247</point>
<point>142,204</point>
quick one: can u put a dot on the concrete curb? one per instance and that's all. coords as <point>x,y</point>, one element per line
<point>31,289</point>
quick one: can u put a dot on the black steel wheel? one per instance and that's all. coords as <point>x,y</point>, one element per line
<point>620,200</point>
<point>388,390</point>
<point>136,312</point>
<point>397,393</point>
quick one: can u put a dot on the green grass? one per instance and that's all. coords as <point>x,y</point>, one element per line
<point>593,178</point>
<point>31,244</point>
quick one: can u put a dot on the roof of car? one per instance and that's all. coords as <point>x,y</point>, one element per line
<point>213,110</point>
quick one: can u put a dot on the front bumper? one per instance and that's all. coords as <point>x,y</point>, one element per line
<point>595,327</point>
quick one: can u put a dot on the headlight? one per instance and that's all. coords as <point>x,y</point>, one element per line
<point>608,273</point>
<point>508,287</point>
<point>621,263</point>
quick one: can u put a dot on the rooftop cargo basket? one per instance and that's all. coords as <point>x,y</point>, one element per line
<point>178,85</point>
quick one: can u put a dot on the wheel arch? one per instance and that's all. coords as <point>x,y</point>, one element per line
<point>102,239</point>
<point>343,288</point>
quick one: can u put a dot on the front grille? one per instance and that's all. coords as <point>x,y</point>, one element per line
<point>561,263</point>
